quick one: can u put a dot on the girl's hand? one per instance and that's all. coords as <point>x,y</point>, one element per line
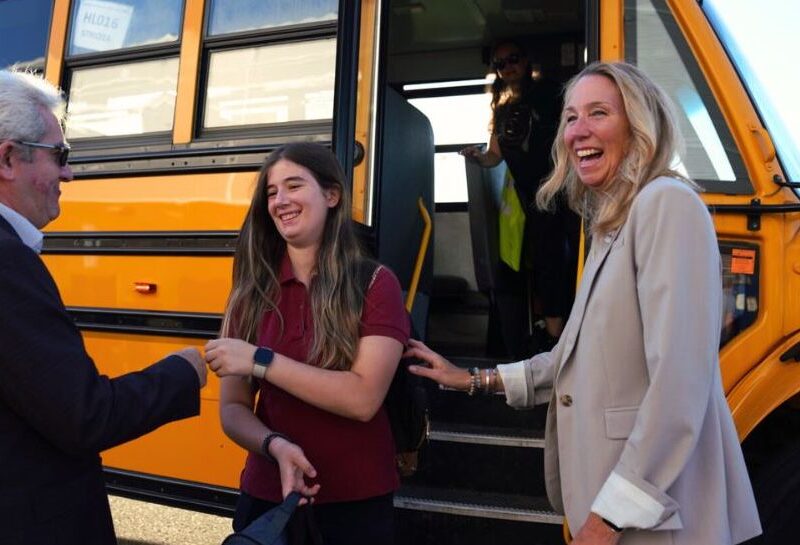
<point>294,466</point>
<point>230,357</point>
<point>439,370</point>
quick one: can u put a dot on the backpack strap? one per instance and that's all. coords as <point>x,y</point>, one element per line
<point>367,273</point>
<point>374,276</point>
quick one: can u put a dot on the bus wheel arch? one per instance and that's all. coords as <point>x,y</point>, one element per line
<point>766,409</point>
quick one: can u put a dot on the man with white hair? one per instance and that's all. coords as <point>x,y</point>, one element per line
<point>57,413</point>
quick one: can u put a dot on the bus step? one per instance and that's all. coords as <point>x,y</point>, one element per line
<point>486,435</point>
<point>476,504</point>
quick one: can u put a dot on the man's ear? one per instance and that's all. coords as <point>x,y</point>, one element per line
<point>6,160</point>
<point>333,195</point>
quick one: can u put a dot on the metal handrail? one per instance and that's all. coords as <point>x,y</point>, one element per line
<point>423,250</point>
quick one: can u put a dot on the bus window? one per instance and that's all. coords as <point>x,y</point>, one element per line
<point>102,25</point>
<point>756,45</point>
<point>457,121</point>
<point>269,64</point>
<point>271,84</point>
<point>123,99</point>
<point>243,15</point>
<point>24,25</point>
<point>113,91</point>
<point>655,44</point>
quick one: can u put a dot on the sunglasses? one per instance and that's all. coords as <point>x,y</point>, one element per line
<point>61,151</point>
<point>499,64</point>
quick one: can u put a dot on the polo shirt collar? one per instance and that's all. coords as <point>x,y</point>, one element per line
<point>286,271</point>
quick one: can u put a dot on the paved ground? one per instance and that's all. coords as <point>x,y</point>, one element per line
<point>140,523</point>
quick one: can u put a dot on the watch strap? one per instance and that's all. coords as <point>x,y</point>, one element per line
<point>267,440</point>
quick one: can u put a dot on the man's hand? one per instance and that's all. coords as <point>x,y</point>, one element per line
<point>192,355</point>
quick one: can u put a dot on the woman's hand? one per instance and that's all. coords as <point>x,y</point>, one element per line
<point>294,466</point>
<point>230,357</point>
<point>473,153</point>
<point>439,370</point>
<point>595,532</point>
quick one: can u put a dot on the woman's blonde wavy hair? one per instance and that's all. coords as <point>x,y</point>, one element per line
<point>336,297</point>
<point>653,147</point>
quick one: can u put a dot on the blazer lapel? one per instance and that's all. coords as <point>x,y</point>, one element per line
<point>593,265</point>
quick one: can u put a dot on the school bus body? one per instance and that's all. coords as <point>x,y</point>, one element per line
<point>142,251</point>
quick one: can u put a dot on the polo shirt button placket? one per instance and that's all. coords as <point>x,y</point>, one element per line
<point>302,318</point>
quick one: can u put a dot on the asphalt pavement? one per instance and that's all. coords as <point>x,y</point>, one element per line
<point>141,523</point>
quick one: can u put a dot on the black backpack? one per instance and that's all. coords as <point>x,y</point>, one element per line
<point>285,524</point>
<point>407,402</point>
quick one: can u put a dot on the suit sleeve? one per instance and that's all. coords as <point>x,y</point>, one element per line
<point>50,382</point>
<point>528,382</point>
<point>678,283</point>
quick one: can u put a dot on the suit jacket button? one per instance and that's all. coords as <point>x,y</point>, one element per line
<point>566,400</point>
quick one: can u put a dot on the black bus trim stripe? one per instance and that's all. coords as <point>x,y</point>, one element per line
<point>143,322</point>
<point>183,243</point>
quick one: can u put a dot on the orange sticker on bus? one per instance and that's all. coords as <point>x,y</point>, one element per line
<point>743,261</point>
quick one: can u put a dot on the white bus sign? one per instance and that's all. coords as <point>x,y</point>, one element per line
<point>101,25</point>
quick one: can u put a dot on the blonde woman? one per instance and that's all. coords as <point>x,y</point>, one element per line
<point>640,443</point>
<point>307,355</point>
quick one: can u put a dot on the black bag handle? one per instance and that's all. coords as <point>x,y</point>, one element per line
<point>268,529</point>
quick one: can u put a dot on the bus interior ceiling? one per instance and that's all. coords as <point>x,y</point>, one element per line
<point>435,41</point>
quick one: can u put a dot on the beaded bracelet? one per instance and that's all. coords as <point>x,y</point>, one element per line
<point>474,381</point>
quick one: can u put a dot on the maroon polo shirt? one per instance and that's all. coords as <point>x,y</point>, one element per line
<point>354,460</point>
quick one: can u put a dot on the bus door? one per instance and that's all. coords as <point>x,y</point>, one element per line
<point>437,58</point>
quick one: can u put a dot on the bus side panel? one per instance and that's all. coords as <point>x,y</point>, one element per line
<point>194,449</point>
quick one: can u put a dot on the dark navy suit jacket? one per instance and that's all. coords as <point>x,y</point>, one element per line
<point>57,413</point>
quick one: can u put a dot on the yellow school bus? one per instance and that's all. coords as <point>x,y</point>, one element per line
<point>173,104</point>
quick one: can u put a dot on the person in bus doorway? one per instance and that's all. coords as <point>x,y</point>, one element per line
<point>309,348</point>
<point>640,444</point>
<point>524,122</point>
<point>56,411</point>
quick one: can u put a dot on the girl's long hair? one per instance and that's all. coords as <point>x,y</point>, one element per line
<point>336,296</point>
<point>653,147</point>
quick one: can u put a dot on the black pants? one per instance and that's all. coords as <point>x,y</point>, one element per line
<point>364,522</point>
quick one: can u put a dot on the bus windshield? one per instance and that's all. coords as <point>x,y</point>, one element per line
<point>758,38</point>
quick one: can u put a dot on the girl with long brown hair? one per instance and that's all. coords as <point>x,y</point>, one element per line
<point>308,350</point>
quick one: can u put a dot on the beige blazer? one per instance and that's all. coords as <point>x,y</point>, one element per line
<point>638,429</point>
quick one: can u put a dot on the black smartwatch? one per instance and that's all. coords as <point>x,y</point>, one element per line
<point>261,360</point>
